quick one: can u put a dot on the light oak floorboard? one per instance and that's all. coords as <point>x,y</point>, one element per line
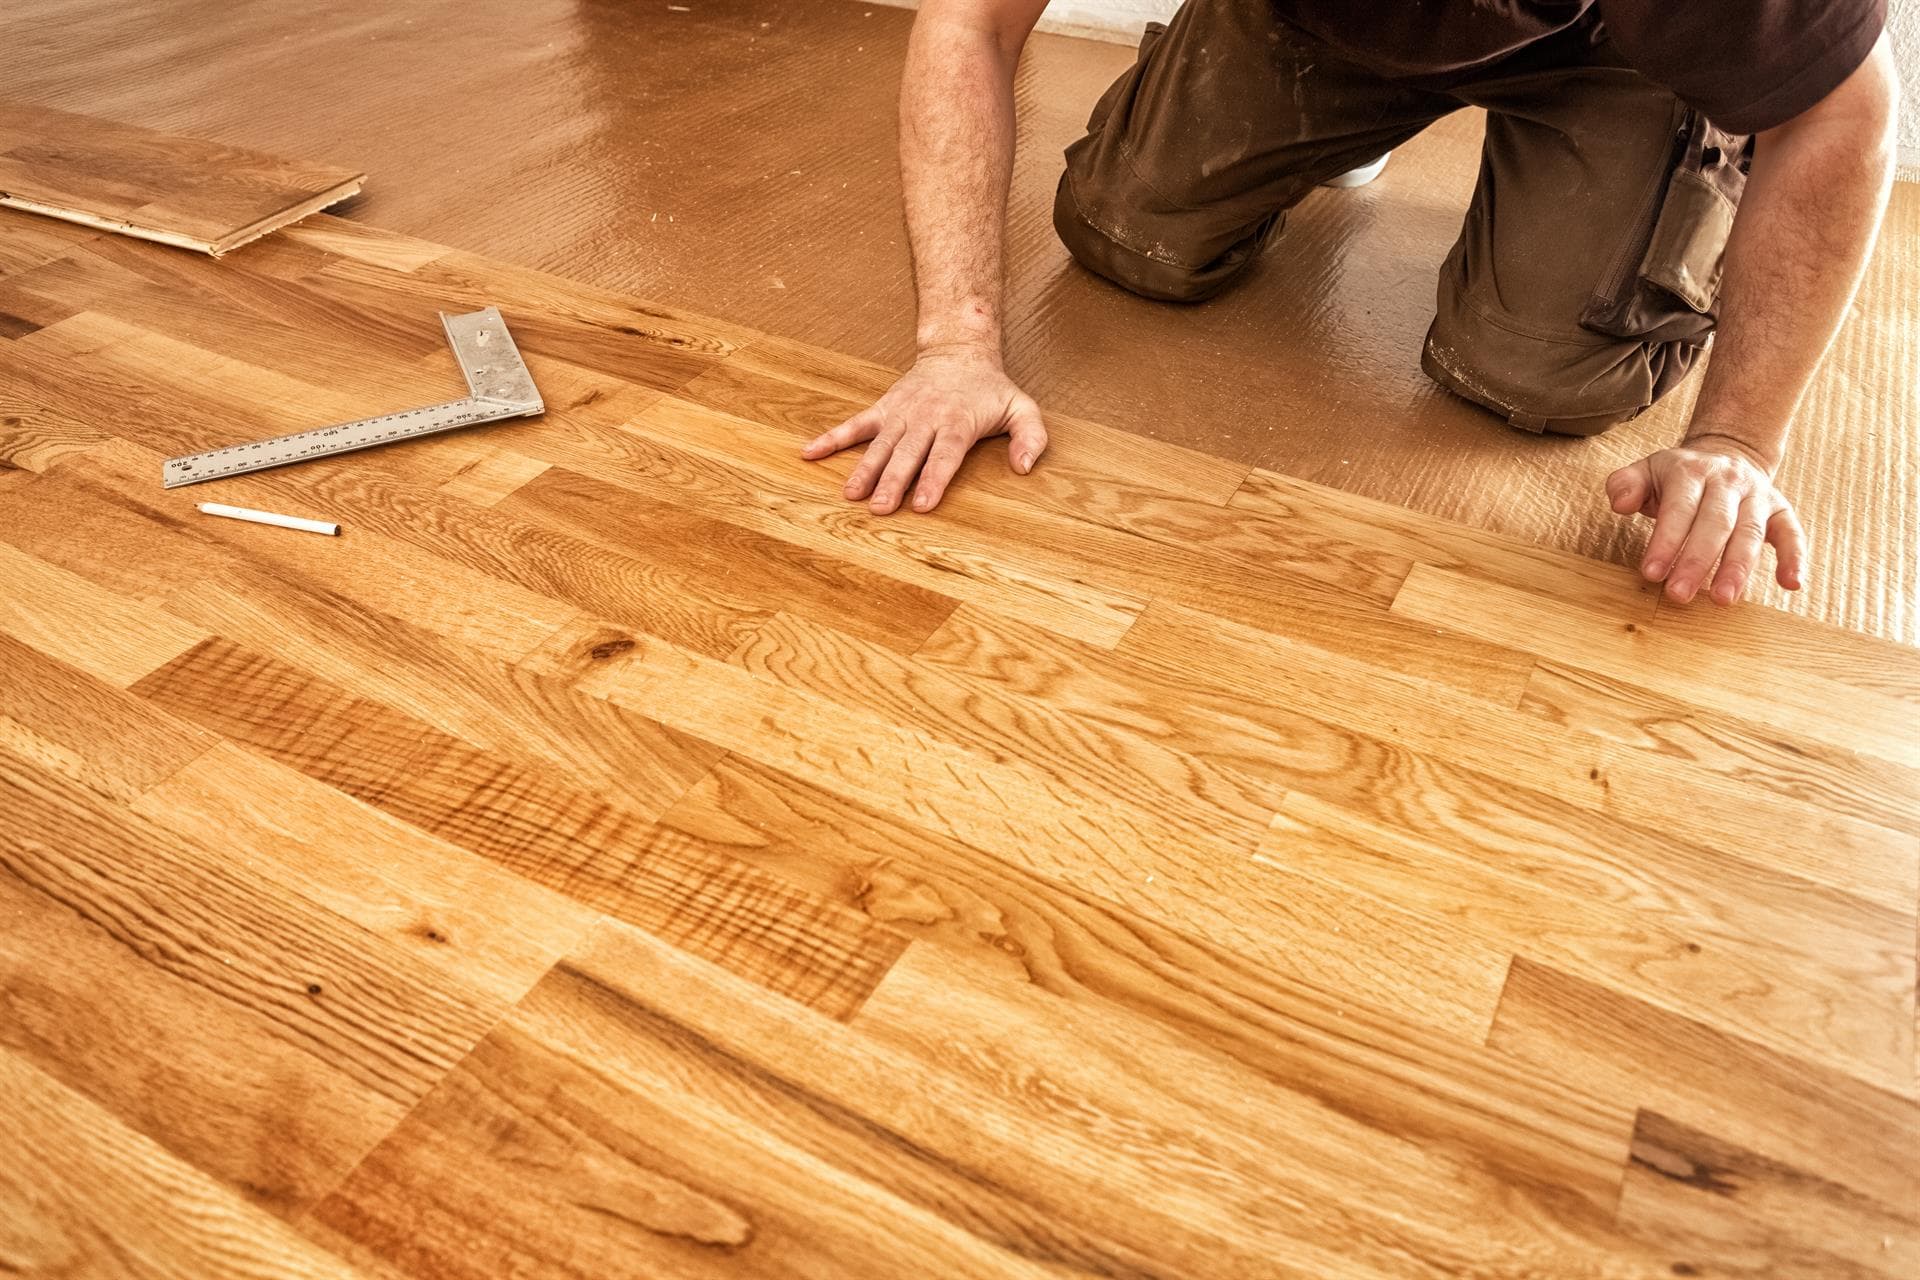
<point>615,854</point>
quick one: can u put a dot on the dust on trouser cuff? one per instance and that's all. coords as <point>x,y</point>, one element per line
<point>1193,155</point>
<point>1593,291</point>
<point>1153,270</point>
<point>1576,383</point>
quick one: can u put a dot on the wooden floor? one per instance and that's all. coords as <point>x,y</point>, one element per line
<point>616,856</point>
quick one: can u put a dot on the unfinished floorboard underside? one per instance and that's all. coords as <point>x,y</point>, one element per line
<point>617,855</point>
<point>176,190</point>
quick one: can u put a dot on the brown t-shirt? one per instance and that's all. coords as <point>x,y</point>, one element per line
<point>1747,65</point>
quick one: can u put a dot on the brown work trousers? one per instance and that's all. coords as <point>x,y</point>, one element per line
<point>1584,281</point>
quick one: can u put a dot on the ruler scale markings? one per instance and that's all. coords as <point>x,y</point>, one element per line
<point>496,376</point>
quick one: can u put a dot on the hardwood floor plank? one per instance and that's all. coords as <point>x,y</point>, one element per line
<point>1009,805</point>
<point>493,931</point>
<point>479,564</point>
<point>34,437</point>
<point>1337,515</point>
<point>1805,1115</point>
<point>1017,1046</point>
<point>991,1068</point>
<point>342,237</point>
<point>638,1176</point>
<point>1812,773</point>
<point>196,1000</point>
<point>30,240</point>
<point>261,320</point>
<point>492,476</point>
<point>25,310</point>
<point>1704,1198</point>
<point>83,1195</point>
<point>505,710</point>
<point>1075,444</point>
<point>532,821</point>
<point>174,397</point>
<point>1388,1071</point>
<point>1794,643</point>
<point>1196,553</point>
<point>765,572</point>
<point>1862,845</point>
<point>1718,678</point>
<point>332,605</point>
<point>662,465</point>
<point>1115,848</point>
<point>1811,972</point>
<point>616,854</point>
<point>1309,930</point>
<point>540,559</point>
<point>90,730</point>
<point>1422,757</point>
<point>1085,463</point>
<point>642,343</point>
<point>158,186</point>
<point>88,627</point>
<point>1116,763</point>
<point>102,517</point>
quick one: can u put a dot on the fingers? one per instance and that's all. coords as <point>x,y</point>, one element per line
<point>1743,550</point>
<point>1678,502</point>
<point>861,426</point>
<point>1709,506</point>
<point>948,452</point>
<point>1029,434</point>
<point>1789,548</point>
<point>1713,522</point>
<point>919,433</point>
<point>902,465</point>
<point>1630,488</point>
<point>867,472</point>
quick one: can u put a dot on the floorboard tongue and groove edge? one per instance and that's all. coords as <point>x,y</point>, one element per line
<point>163,187</point>
<point>617,855</point>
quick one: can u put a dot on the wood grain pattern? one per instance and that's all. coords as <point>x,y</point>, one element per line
<point>157,186</point>
<point>185,982</point>
<point>1711,1199</point>
<point>88,729</point>
<point>82,1194</point>
<point>616,855</point>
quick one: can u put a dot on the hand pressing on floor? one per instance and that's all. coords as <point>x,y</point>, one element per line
<point>1798,249</point>
<point>1712,499</point>
<point>921,429</point>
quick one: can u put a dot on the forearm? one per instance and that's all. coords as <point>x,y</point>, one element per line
<point>956,159</point>
<point>1799,247</point>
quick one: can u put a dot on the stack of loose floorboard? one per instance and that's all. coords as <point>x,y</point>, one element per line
<point>616,855</point>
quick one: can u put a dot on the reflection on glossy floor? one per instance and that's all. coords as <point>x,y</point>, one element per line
<point>737,158</point>
<point>613,856</point>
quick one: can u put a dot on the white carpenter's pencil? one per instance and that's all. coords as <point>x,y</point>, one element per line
<point>268,517</point>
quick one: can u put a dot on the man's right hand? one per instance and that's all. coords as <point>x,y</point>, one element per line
<point>923,426</point>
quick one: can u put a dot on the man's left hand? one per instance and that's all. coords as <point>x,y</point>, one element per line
<point>1711,499</point>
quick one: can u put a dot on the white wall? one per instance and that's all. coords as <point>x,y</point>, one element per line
<point>1118,20</point>
<point>1107,19</point>
<point>1903,20</point>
